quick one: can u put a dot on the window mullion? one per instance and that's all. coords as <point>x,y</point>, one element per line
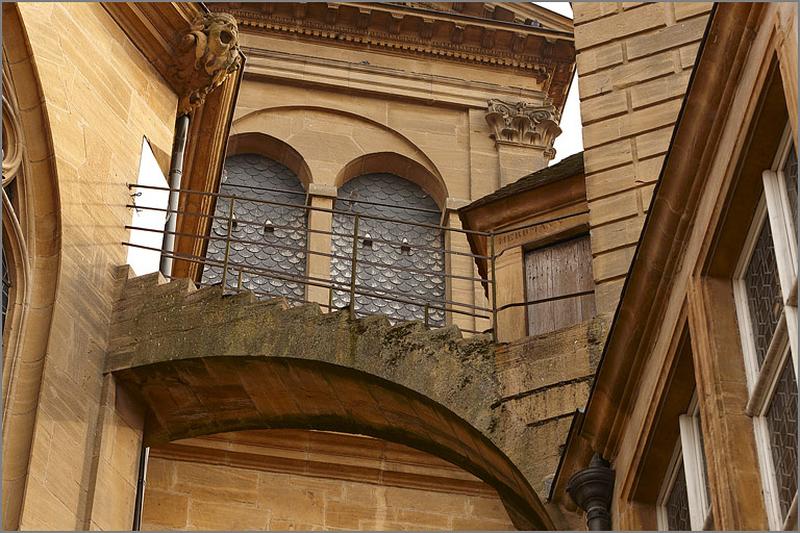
<point>783,245</point>
<point>693,470</point>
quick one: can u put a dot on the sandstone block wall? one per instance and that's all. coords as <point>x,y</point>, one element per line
<point>544,380</point>
<point>301,480</point>
<point>634,63</point>
<point>101,98</point>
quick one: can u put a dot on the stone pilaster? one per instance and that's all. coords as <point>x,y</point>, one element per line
<point>524,134</point>
<point>319,266</point>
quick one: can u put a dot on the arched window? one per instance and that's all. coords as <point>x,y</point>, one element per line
<point>12,167</point>
<point>268,241</point>
<point>400,264</point>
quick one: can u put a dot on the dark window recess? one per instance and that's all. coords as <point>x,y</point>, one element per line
<point>763,292</point>
<point>782,424</point>
<point>677,504</point>
<point>275,234</point>
<point>559,270</point>
<point>397,260</point>
<point>6,284</point>
<point>790,175</point>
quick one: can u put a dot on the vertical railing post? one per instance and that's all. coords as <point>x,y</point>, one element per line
<point>427,313</point>
<point>353,268</point>
<point>494,288</point>
<point>239,282</point>
<point>227,245</point>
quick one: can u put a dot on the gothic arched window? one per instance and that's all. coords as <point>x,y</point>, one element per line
<point>400,265</point>
<point>268,241</point>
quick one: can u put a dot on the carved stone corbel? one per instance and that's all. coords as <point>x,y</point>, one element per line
<point>207,54</point>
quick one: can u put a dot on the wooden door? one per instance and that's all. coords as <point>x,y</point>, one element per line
<point>557,270</point>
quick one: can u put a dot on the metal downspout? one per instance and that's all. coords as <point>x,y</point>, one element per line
<point>167,248</point>
<point>175,174</point>
<point>140,483</point>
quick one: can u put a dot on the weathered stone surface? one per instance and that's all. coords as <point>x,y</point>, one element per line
<point>205,363</point>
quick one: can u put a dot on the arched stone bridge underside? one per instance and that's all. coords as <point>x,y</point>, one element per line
<point>204,364</point>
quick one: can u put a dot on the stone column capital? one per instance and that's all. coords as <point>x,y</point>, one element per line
<point>524,124</point>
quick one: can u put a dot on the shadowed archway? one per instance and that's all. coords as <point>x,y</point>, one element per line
<point>204,363</point>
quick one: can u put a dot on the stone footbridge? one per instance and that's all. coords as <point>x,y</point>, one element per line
<point>204,363</point>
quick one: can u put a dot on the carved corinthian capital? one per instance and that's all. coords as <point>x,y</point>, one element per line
<point>207,54</point>
<point>523,124</point>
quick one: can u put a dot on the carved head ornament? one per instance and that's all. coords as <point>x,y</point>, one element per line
<point>208,54</point>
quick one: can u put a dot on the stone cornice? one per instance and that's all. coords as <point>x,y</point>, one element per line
<point>382,80</point>
<point>319,454</point>
<point>545,54</point>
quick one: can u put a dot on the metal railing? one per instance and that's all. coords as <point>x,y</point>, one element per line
<point>236,269</point>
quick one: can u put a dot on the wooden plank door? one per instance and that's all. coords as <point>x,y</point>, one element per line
<point>556,270</point>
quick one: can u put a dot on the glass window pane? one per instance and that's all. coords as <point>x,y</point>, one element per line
<point>763,292</point>
<point>275,235</point>
<point>782,423</point>
<point>790,175</point>
<point>6,284</point>
<point>402,260</point>
<point>677,504</point>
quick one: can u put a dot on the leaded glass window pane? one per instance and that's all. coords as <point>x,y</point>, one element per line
<point>6,284</point>
<point>384,267</point>
<point>677,504</point>
<point>790,176</point>
<point>782,423</point>
<point>763,292</point>
<point>275,234</point>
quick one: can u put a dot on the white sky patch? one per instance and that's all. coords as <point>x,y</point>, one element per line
<point>146,261</point>
<point>571,139</point>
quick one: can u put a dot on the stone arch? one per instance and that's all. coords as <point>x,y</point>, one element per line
<point>399,165</point>
<point>232,363</point>
<point>34,236</point>
<point>272,148</point>
<point>348,136</point>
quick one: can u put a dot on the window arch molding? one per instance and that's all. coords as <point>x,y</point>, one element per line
<point>34,243</point>
<point>271,148</point>
<point>399,165</point>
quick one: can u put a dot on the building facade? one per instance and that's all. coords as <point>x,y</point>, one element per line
<point>377,306</point>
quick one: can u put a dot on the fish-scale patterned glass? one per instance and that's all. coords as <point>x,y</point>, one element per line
<point>385,267</point>
<point>269,240</point>
<point>782,423</point>
<point>763,292</point>
<point>677,504</point>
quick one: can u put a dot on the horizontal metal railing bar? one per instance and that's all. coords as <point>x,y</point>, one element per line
<point>545,300</point>
<point>350,287</point>
<point>330,307</point>
<point>308,280</point>
<point>308,207</point>
<point>315,252</point>
<point>247,222</point>
<point>306,193</point>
